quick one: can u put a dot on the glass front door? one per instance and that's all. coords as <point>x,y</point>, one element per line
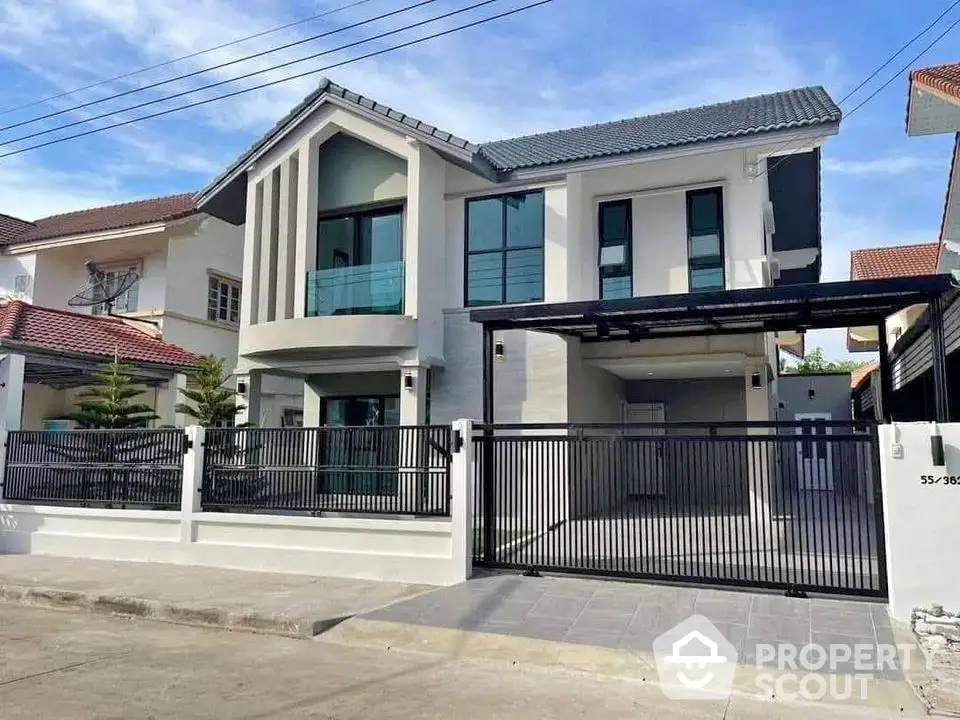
<point>362,461</point>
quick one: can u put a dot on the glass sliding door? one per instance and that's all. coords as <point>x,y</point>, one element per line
<point>365,460</point>
<point>359,265</point>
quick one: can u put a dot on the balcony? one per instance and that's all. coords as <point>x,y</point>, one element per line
<point>356,290</point>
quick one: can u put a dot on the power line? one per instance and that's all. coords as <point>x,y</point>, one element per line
<point>254,73</point>
<point>140,71</point>
<point>272,83</point>
<point>876,72</point>
<point>220,66</point>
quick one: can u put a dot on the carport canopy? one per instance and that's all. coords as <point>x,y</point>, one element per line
<point>779,308</point>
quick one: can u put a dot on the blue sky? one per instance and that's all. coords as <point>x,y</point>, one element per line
<point>567,63</point>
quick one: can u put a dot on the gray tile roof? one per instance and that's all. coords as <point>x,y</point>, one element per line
<point>749,116</point>
<point>736,118</point>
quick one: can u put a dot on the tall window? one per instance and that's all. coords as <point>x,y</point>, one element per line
<point>223,301</point>
<point>359,264</point>
<point>504,249</point>
<point>705,239</point>
<point>616,271</point>
<point>126,301</point>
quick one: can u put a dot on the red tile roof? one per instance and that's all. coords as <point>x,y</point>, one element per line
<point>33,327</point>
<point>895,261</point>
<point>110,217</point>
<point>859,376</point>
<point>11,228</point>
<point>943,78</point>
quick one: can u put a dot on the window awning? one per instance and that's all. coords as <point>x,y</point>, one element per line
<point>769,309</point>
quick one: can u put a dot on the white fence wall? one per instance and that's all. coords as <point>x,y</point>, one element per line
<point>435,551</point>
<point>922,517</point>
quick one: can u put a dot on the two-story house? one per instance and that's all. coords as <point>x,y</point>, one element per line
<point>370,235</point>
<point>188,290</point>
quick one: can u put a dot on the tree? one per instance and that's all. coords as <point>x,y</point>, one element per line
<point>813,363</point>
<point>109,404</point>
<point>209,402</point>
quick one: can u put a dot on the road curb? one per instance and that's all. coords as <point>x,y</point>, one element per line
<point>129,606</point>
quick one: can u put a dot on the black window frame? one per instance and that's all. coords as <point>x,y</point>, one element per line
<point>627,270</point>
<point>357,215</point>
<point>504,249</point>
<point>710,262</point>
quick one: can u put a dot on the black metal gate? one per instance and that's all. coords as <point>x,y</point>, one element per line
<point>794,506</point>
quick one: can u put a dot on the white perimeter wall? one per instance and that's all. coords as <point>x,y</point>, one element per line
<point>922,521</point>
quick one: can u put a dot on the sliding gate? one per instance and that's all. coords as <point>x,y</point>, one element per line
<point>794,506</point>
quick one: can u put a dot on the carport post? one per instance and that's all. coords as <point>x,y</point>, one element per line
<point>488,474</point>
<point>886,385</point>
<point>941,399</point>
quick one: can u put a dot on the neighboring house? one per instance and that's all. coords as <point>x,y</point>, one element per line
<point>933,108</point>
<point>189,266</point>
<point>370,235</point>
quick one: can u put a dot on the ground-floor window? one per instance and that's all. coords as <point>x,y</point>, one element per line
<point>369,458</point>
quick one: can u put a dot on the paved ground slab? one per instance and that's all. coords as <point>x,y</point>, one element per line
<point>298,605</point>
<point>68,666</point>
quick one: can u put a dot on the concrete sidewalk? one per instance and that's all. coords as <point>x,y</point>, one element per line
<point>294,605</point>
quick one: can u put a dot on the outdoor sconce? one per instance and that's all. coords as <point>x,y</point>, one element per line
<point>755,381</point>
<point>936,447</point>
<point>242,388</point>
<point>811,393</point>
<point>498,350</point>
<point>408,381</point>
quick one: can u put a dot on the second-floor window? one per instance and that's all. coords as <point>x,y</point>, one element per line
<point>125,302</point>
<point>504,249</point>
<point>223,300</point>
<point>705,239</point>
<point>616,271</point>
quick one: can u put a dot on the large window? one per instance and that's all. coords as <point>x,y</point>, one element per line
<point>616,271</point>
<point>359,264</point>
<point>126,301</point>
<point>223,300</point>
<point>504,250</point>
<point>705,239</point>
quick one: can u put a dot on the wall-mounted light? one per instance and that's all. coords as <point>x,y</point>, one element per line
<point>936,447</point>
<point>755,381</point>
<point>811,393</point>
<point>498,350</point>
<point>242,387</point>
<point>603,331</point>
<point>408,381</point>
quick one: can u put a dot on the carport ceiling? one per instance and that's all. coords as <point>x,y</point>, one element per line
<point>779,308</point>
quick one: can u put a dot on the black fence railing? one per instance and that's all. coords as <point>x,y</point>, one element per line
<point>96,468</point>
<point>781,505</point>
<point>365,470</point>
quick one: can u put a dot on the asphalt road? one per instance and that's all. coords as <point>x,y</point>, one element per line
<point>65,665</point>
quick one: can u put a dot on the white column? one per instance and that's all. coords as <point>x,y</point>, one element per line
<point>413,401</point>
<point>167,399</point>
<point>249,400</point>
<point>250,295</point>
<point>758,453</point>
<point>11,391</point>
<point>268,246</point>
<point>287,238</point>
<point>581,262</point>
<point>312,400</point>
<point>411,233</point>
<point>192,481</point>
<point>461,501</point>
<point>305,259</point>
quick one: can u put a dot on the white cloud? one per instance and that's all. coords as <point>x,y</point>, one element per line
<point>31,191</point>
<point>885,166</point>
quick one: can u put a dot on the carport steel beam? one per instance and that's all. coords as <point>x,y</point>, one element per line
<point>768,309</point>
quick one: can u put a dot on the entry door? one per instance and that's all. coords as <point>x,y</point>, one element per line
<point>644,461</point>
<point>814,457</point>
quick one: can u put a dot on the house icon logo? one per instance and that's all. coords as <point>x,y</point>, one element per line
<point>695,661</point>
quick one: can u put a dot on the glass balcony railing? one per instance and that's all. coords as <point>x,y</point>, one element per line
<point>356,290</point>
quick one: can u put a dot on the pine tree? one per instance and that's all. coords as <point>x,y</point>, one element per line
<point>108,404</point>
<point>210,403</point>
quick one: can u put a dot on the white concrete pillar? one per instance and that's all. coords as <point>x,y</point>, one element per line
<point>312,405</point>
<point>581,243</point>
<point>167,398</point>
<point>269,235</point>
<point>461,500</point>
<point>411,232</point>
<point>557,259</point>
<point>305,260</point>
<point>287,238</point>
<point>413,401</point>
<point>249,400</point>
<point>759,453</point>
<point>192,482</point>
<point>250,292</point>
<point>11,391</point>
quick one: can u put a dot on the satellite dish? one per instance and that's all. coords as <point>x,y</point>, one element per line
<point>103,289</point>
